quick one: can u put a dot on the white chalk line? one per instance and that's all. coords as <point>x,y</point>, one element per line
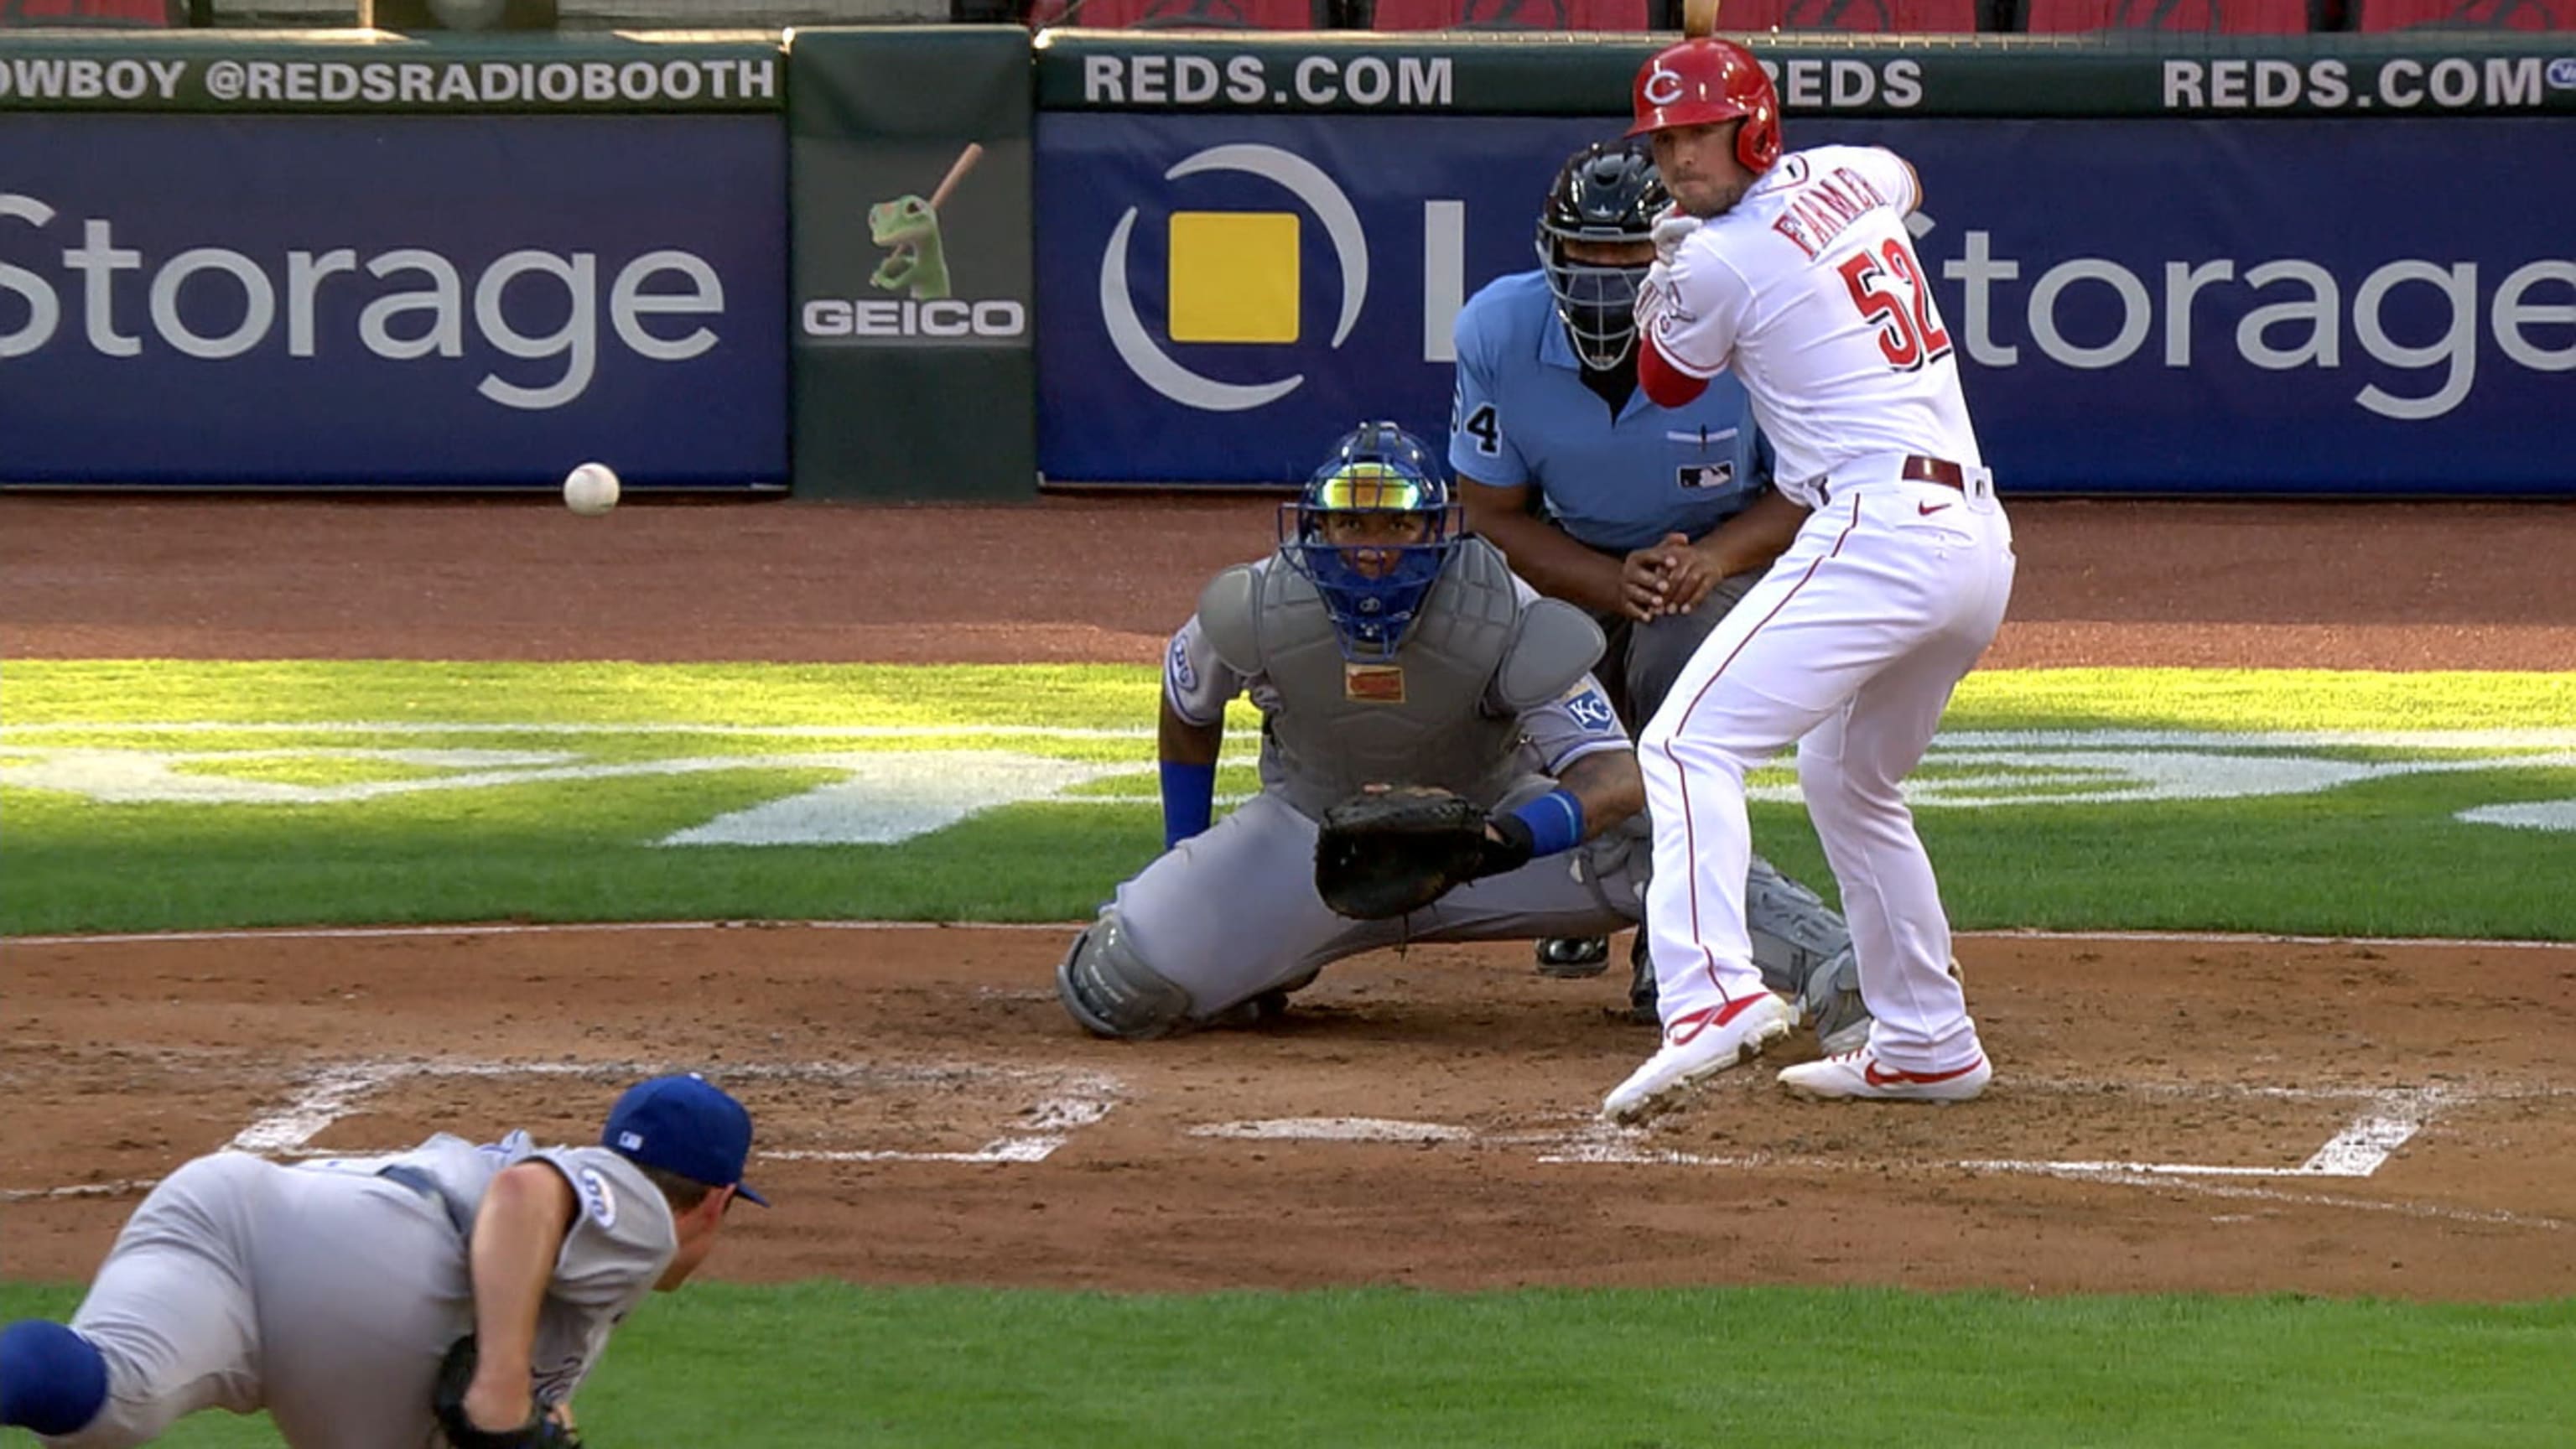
<point>1333,1129</point>
<point>324,1100</point>
<point>2355,1152</point>
<point>1056,1119</point>
<point>2441,1211</point>
<point>1085,1097</point>
<point>392,933</point>
<point>119,1187</point>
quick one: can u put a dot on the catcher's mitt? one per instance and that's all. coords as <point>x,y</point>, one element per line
<point>1383,854</point>
<point>447,1402</point>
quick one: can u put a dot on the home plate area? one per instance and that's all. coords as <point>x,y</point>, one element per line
<point>2167,1115</point>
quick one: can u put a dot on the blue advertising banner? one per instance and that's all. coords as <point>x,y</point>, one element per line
<point>2149,306</point>
<point>392,300</point>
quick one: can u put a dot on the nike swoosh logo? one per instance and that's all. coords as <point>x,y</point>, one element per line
<point>1928,509</point>
<point>1877,1078</point>
<point>1684,1031</point>
<point>1689,1027</point>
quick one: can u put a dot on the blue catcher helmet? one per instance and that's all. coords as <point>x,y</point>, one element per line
<point>1371,532</point>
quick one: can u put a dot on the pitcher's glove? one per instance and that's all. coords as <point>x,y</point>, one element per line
<point>1387,853</point>
<point>447,1403</point>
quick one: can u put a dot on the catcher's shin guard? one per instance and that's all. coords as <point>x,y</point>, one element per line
<point>1107,987</point>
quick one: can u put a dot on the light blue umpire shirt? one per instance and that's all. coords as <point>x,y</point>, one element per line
<point>1521,415</point>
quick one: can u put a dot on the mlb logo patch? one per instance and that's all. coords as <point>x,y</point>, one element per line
<point>1707,475</point>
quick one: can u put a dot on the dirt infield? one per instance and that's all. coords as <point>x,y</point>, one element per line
<point>2326,1117</point>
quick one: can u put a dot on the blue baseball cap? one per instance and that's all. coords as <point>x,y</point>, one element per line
<point>685,1125</point>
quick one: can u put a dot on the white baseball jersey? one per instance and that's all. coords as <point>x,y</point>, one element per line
<point>1809,292</point>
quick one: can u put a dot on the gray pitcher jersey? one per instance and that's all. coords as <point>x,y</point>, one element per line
<point>620,1241</point>
<point>1439,716</point>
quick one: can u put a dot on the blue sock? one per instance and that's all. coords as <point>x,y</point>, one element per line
<point>51,1379</point>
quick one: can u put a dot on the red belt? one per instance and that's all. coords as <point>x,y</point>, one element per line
<point>1915,469</point>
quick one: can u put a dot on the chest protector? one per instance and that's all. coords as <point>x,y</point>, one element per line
<point>1443,710</point>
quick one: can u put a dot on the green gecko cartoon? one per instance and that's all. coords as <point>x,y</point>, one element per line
<point>910,226</point>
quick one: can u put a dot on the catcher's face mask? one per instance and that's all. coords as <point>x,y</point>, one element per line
<point>1371,532</point>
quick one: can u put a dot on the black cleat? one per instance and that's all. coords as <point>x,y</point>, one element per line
<point>1642,994</point>
<point>1573,958</point>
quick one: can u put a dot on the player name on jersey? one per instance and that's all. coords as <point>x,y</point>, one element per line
<point>1823,206</point>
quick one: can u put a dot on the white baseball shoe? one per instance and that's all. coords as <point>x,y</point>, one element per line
<point>1697,1047</point>
<point>1835,1008</point>
<point>1859,1076</point>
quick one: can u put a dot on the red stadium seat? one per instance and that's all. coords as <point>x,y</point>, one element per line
<point>2466,15</point>
<point>1184,14</point>
<point>122,14</point>
<point>1896,16</point>
<point>2228,17</point>
<point>1578,15</point>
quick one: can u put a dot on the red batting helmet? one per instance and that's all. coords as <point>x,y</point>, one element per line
<point>1707,79</point>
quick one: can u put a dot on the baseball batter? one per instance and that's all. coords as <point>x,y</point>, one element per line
<point>327,1292</point>
<point>1796,273</point>
<point>1382,646</point>
<point>1568,467</point>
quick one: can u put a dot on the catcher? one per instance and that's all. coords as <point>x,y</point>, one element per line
<point>366,1302</point>
<point>1437,762</point>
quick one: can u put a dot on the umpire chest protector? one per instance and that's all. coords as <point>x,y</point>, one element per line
<point>1425,715</point>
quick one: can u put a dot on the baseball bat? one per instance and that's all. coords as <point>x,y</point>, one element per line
<point>973,153</point>
<point>1699,17</point>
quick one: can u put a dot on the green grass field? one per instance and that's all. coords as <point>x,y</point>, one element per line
<point>155,794</point>
<point>829,1365</point>
<point>161,795</point>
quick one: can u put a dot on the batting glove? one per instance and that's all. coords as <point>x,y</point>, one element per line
<point>1655,294</point>
<point>1671,230</point>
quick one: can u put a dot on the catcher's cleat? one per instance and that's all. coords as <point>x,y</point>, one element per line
<point>1697,1047</point>
<point>1573,958</point>
<point>1261,1010</point>
<point>1250,1015</point>
<point>1642,992</point>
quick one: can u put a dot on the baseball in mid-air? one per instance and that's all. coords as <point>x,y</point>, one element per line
<point>591,489</point>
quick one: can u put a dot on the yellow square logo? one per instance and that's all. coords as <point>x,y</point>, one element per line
<point>1234,276</point>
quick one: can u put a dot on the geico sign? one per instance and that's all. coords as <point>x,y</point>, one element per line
<point>834,317</point>
<point>214,303</point>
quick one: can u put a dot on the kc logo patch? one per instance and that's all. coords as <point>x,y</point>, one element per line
<point>1589,709</point>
